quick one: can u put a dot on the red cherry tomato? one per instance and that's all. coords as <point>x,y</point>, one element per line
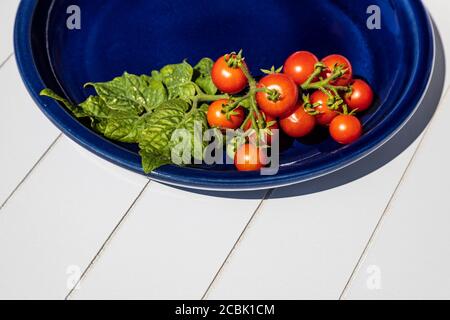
<point>268,137</point>
<point>228,79</point>
<point>217,117</point>
<point>361,97</point>
<point>325,115</point>
<point>345,129</point>
<point>249,158</point>
<point>300,66</point>
<point>298,124</point>
<point>334,60</point>
<point>286,90</point>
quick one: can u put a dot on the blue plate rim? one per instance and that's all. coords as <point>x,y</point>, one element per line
<point>126,159</point>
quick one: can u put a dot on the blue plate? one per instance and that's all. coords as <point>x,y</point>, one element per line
<point>142,35</point>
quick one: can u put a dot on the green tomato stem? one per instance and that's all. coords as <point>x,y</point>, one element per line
<point>326,87</point>
<point>247,119</point>
<point>252,93</point>
<point>206,98</point>
<point>209,98</point>
<point>236,103</point>
<point>317,71</point>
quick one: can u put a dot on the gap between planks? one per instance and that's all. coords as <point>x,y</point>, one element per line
<point>391,199</point>
<point>239,239</point>
<point>266,196</point>
<point>108,240</point>
<point>39,161</point>
<point>6,60</point>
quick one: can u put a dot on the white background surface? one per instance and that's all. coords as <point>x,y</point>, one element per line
<point>66,213</point>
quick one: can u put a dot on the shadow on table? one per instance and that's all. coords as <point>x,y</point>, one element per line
<point>389,151</point>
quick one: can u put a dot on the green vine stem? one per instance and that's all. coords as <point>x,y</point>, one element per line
<point>319,68</point>
<point>335,100</point>
<point>206,98</point>
<point>247,119</point>
<point>256,121</point>
<point>324,83</point>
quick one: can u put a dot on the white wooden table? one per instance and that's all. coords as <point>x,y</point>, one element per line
<point>66,214</point>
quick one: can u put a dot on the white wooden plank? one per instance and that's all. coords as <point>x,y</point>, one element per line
<point>7,15</point>
<point>304,247</point>
<point>92,292</point>
<point>410,256</point>
<point>25,133</point>
<point>56,222</point>
<point>170,246</point>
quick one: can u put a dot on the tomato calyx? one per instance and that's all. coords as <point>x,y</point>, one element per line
<point>261,136</point>
<point>273,95</point>
<point>230,113</point>
<point>258,130</point>
<point>308,106</point>
<point>335,101</point>
<point>218,115</point>
<point>272,70</point>
<point>234,60</point>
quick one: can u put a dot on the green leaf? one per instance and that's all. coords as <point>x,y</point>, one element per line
<point>123,130</point>
<point>157,137</point>
<point>113,124</point>
<point>149,109</point>
<point>202,76</point>
<point>129,93</point>
<point>158,127</point>
<point>76,110</point>
<point>95,107</point>
<point>157,75</point>
<point>178,80</point>
<point>196,124</point>
<point>155,94</point>
<point>151,161</point>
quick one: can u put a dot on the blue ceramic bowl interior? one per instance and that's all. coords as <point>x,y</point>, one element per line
<point>141,35</point>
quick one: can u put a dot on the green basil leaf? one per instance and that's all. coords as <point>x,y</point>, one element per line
<point>129,93</point>
<point>157,75</point>
<point>152,161</point>
<point>155,94</point>
<point>178,80</point>
<point>116,125</point>
<point>99,125</point>
<point>96,107</point>
<point>76,110</point>
<point>159,136</point>
<point>158,127</point>
<point>123,130</point>
<point>202,76</point>
<point>196,124</point>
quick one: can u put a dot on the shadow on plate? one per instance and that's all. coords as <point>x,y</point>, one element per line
<point>385,154</point>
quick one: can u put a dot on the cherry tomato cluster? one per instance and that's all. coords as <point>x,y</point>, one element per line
<point>306,92</point>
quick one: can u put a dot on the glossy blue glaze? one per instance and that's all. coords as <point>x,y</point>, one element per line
<point>141,35</point>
